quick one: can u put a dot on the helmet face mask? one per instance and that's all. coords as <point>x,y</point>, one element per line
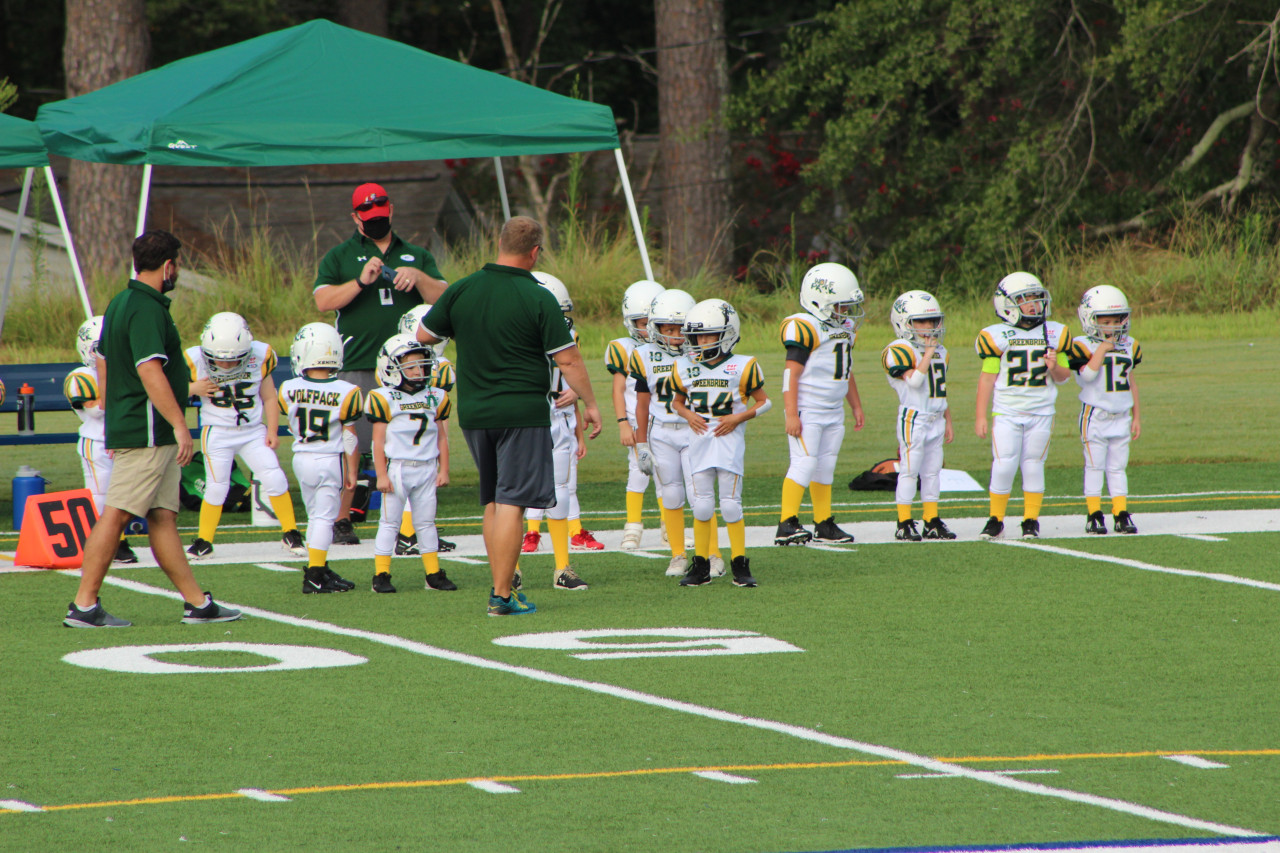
<point>713,318</point>
<point>1104,303</point>
<point>401,355</point>
<point>226,344</point>
<point>317,346</point>
<point>87,340</point>
<point>1022,300</point>
<point>636,302</point>
<point>669,308</point>
<point>831,293</point>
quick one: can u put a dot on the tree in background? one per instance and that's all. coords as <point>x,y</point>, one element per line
<point>943,137</point>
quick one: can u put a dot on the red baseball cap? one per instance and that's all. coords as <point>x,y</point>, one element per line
<point>376,199</point>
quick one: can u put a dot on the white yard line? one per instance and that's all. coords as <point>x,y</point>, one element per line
<point>276,567</point>
<point>262,796</point>
<point>800,732</point>
<point>1200,537</point>
<point>728,778</point>
<point>1197,762</point>
<point>492,787</point>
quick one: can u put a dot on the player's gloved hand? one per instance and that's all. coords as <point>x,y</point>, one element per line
<point>644,459</point>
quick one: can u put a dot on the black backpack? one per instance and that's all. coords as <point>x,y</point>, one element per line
<point>881,477</point>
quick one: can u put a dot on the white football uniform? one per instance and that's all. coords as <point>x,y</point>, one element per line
<point>316,411</point>
<point>410,444</point>
<point>232,425</point>
<point>617,360</point>
<point>1023,401</point>
<point>922,423</point>
<point>714,391</point>
<point>821,391</point>
<point>1106,414</point>
<point>81,387</point>
<point>669,435</point>
<point>564,452</point>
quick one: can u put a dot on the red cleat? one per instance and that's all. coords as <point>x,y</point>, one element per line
<point>530,543</point>
<point>584,541</point>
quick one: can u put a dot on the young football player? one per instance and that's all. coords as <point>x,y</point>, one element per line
<point>321,411</point>
<point>235,423</point>
<point>916,365</point>
<point>406,413</point>
<point>1103,359</point>
<point>82,392</point>
<point>817,381</point>
<point>442,377</point>
<point>617,359</point>
<point>716,392</point>
<point>1024,360</point>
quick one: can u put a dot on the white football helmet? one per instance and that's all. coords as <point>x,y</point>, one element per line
<point>1017,292</point>
<point>391,363</point>
<point>87,340</point>
<point>1104,301</point>
<point>557,288</point>
<point>831,293</point>
<point>410,322</point>
<point>226,337</point>
<point>716,317</point>
<point>635,304</point>
<point>317,345</point>
<point>670,306</point>
<point>917,305</point>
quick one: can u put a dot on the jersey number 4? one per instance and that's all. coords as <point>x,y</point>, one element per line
<point>701,403</point>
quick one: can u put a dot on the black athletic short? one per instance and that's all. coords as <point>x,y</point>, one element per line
<point>515,465</point>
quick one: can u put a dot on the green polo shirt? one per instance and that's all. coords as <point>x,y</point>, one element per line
<point>374,315</point>
<point>505,326</point>
<point>138,327</point>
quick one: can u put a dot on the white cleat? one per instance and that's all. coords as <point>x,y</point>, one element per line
<point>676,568</point>
<point>631,535</point>
<point>717,566</point>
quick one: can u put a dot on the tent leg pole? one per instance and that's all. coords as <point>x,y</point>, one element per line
<point>71,248</point>
<point>502,189</point>
<point>143,196</point>
<point>635,216</point>
<point>13,246</point>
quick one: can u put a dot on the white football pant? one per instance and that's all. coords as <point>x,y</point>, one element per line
<point>221,446</point>
<point>412,482</point>
<point>814,452</point>
<point>1019,441</point>
<point>920,440</point>
<point>704,495</point>
<point>1105,440</point>
<point>319,477</point>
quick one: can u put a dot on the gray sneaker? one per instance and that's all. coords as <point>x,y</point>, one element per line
<point>210,611</point>
<point>94,617</point>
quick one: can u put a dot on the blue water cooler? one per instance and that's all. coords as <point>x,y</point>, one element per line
<point>26,482</point>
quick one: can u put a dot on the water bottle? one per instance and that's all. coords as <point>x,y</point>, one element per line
<point>26,482</point>
<point>26,409</point>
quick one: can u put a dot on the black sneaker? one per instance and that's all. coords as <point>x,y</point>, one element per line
<point>1096,524</point>
<point>568,579</point>
<point>906,531</point>
<point>344,533</point>
<point>200,549</point>
<point>124,554</point>
<point>934,528</point>
<point>407,546</point>
<point>445,546</point>
<point>699,572</point>
<point>993,530</point>
<point>1124,523</point>
<point>382,582</point>
<point>440,581</point>
<point>210,611</point>
<point>826,531</point>
<point>94,617</point>
<point>741,568</point>
<point>292,541</point>
<point>790,533</point>
<point>316,579</point>
<point>341,583</point>
<point>1030,528</point>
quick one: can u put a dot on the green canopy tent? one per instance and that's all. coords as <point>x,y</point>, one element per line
<point>322,93</point>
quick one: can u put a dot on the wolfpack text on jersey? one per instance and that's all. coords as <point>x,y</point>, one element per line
<point>316,409</point>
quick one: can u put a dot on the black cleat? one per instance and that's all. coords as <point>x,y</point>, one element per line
<point>319,579</point>
<point>382,582</point>
<point>826,531</point>
<point>699,573</point>
<point>934,528</point>
<point>124,554</point>
<point>407,546</point>
<point>1096,524</point>
<point>344,533</point>
<point>199,549</point>
<point>292,541</point>
<point>1124,523</point>
<point>993,530</point>
<point>444,546</point>
<point>1030,528</point>
<point>906,532</point>
<point>343,584</point>
<point>741,568</point>
<point>440,581</point>
<point>790,533</point>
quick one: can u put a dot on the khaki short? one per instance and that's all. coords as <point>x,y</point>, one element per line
<point>145,478</point>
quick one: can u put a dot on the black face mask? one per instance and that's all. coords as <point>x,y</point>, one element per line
<point>168,283</point>
<point>376,228</point>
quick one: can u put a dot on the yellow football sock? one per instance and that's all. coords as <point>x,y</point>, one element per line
<point>701,538</point>
<point>575,526</point>
<point>1031,504</point>
<point>406,524</point>
<point>534,525</point>
<point>1119,504</point>
<point>675,530</point>
<point>209,517</point>
<point>737,531</point>
<point>820,494</point>
<point>999,503</point>
<point>904,512</point>
<point>382,564</point>
<point>282,506</point>
<point>792,494</point>
<point>316,557</point>
<point>713,538</point>
<point>1093,503</point>
<point>558,530</point>
<point>431,562</point>
<point>635,506</point>
<point>930,510</point>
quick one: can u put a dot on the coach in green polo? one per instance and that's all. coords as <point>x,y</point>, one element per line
<point>508,330</point>
<point>369,305</point>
